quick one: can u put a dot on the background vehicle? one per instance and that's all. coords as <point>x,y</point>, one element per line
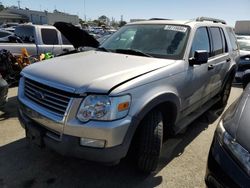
<point>228,161</point>
<point>244,63</point>
<point>38,39</point>
<point>4,33</point>
<point>3,91</point>
<point>131,91</point>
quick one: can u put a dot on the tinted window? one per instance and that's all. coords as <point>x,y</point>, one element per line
<point>26,34</point>
<point>232,38</point>
<point>49,36</point>
<point>201,41</point>
<point>217,40</point>
<point>224,44</point>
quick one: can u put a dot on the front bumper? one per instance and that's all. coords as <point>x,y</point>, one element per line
<point>223,170</point>
<point>69,145</point>
<point>3,92</point>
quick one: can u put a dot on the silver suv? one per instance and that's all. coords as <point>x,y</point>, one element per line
<point>146,81</point>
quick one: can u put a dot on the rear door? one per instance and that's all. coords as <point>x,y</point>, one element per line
<point>219,61</point>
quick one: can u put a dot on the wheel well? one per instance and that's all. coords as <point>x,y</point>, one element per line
<point>229,76</point>
<point>169,114</point>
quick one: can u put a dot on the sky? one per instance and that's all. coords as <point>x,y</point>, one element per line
<point>229,10</point>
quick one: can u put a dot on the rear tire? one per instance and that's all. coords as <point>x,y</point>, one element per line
<point>225,93</point>
<point>150,142</point>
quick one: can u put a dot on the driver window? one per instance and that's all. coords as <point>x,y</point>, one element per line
<point>201,41</point>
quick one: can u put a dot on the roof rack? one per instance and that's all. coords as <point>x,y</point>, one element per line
<point>159,19</point>
<point>201,19</point>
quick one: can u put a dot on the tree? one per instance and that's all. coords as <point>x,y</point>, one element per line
<point>122,23</point>
<point>104,19</point>
<point>1,6</point>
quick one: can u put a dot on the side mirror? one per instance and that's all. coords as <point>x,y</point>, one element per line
<point>200,57</point>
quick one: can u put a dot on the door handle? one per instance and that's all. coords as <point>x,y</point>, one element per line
<point>228,59</point>
<point>210,67</point>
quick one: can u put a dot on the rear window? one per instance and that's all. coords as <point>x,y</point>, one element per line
<point>25,33</point>
<point>49,36</point>
<point>232,38</point>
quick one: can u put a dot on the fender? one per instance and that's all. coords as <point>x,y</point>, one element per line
<point>156,101</point>
<point>170,98</point>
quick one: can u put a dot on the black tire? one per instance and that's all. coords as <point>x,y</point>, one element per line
<point>150,142</point>
<point>225,93</point>
<point>245,80</point>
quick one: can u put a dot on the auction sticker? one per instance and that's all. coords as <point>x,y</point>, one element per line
<point>175,28</point>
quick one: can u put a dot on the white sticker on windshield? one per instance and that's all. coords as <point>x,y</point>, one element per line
<point>175,28</point>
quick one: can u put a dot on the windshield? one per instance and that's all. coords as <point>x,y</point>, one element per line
<point>244,45</point>
<point>162,41</point>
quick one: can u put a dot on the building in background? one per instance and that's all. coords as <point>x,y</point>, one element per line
<point>36,17</point>
<point>242,27</point>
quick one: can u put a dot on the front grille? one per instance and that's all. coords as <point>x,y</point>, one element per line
<point>52,99</point>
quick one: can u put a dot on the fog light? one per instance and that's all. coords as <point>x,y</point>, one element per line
<point>92,142</point>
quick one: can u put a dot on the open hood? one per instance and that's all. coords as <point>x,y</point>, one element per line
<point>77,36</point>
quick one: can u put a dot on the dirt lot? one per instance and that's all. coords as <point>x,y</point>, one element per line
<point>183,161</point>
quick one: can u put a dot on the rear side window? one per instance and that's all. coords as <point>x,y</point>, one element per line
<point>201,41</point>
<point>224,43</point>
<point>49,36</point>
<point>217,40</point>
<point>232,38</point>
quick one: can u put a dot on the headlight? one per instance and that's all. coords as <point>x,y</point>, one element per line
<point>240,153</point>
<point>102,107</point>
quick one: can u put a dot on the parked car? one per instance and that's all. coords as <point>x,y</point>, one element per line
<point>244,63</point>
<point>131,92</point>
<point>3,91</point>
<point>229,156</point>
<point>9,24</point>
<point>7,37</point>
<point>4,33</point>
<point>38,39</point>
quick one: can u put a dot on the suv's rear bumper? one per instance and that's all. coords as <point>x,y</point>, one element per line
<point>70,145</point>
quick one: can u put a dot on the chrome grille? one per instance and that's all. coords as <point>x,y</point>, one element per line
<point>52,99</point>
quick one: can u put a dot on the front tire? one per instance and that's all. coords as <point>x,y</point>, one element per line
<point>150,142</point>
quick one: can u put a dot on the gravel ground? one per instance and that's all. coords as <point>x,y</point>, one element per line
<point>183,161</point>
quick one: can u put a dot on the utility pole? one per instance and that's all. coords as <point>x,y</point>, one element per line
<point>19,2</point>
<point>84,8</point>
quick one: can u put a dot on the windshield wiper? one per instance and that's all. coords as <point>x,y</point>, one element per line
<point>132,52</point>
<point>103,49</point>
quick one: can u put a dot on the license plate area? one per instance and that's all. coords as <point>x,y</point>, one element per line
<point>35,135</point>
